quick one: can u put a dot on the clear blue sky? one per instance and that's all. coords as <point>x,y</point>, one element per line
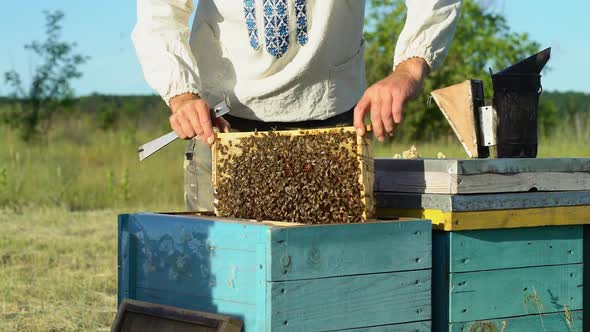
<point>102,30</point>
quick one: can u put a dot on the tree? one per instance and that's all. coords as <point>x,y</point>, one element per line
<point>482,39</point>
<point>50,88</point>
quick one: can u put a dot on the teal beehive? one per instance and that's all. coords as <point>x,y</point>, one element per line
<point>373,276</point>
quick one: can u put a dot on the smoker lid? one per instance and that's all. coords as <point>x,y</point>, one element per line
<point>532,65</point>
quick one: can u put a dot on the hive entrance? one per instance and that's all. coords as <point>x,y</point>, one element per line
<point>304,176</point>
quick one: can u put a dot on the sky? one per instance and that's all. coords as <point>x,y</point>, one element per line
<point>102,30</point>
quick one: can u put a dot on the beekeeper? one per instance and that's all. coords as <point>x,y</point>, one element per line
<point>282,64</point>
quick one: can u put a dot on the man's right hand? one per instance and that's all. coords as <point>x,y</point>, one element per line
<point>191,117</point>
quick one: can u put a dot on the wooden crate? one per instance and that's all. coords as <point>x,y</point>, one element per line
<point>364,151</point>
<point>525,279</point>
<point>373,276</point>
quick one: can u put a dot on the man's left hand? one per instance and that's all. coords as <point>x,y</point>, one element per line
<point>386,98</point>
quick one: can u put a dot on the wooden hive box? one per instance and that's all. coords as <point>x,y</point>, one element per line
<point>373,276</point>
<point>505,258</point>
<point>226,145</point>
<point>523,279</point>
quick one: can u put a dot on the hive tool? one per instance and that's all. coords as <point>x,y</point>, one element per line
<point>154,146</point>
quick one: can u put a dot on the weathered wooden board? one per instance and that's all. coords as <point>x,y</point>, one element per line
<point>347,302</point>
<point>481,166</point>
<point>509,248</point>
<point>139,316</point>
<point>472,220</point>
<point>247,313</point>
<point>569,321</point>
<point>587,272</point>
<point>364,150</point>
<point>444,176</point>
<point>481,202</point>
<point>318,252</point>
<point>514,292</point>
<point>424,326</point>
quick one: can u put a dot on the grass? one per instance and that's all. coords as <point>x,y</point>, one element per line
<point>58,270</point>
<point>59,198</point>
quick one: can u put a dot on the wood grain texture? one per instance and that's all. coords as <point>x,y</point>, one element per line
<point>349,302</point>
<point>480,166</point>
<point>514,292</point>
<point>126,262</point>
<point>364,151</point>
<point>481,202</point>
<point>139,316</point>
<point>347,249</point>
<point>514,248</point>
<point>200,257</point>
<point>555,322</point>
<point>424,326</point>
<point>445,183</point>
<point>440,280</point>
<point>587,272</point>
<point>481,176</point>
<point>242,311</point>
<point>473,220</point>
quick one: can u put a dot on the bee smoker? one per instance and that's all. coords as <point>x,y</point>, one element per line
<point>516,100</point>
<point>510,123</point>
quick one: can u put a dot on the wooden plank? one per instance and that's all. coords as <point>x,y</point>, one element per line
<point>514,292</point>
<point>514,248</point>
<point>569,321</point>
<point>444,183</point>
<point>227,274</point>
<point>440,281</point>
<point>194,256</point>
<point>126,263</point>
<point>587,271</point>
<point>333,250</point>
<point>364,151</point>
<point>472,220</point>
<point>481,176</point>
<point>481,202</point>
<point>349,302</point>
<point>423,326</point>
<point>242,311</point>
<point>139,316</point>
<point>210,232</point>
<point>480,166</point>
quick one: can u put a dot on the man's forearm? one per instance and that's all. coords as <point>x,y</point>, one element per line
<point>176,101</point>
<point>414,68</point>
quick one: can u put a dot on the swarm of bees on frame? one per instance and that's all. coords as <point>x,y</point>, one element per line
<point>307,178</point>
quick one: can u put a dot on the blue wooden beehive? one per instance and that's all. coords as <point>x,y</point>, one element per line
<point>372,276</point>
<point>523,279</point>
<point>501,261</point>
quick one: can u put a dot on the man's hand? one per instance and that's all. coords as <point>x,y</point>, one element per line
<point>386,98</point>
<point>190,117</point>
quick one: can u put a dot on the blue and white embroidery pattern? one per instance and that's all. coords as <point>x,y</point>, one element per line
<point>276,27</point>
<point>250,15</point>
<point>301,14</point>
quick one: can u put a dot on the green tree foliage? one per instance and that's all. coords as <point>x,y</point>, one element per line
<point>50,88</point>
<point>483,39</point>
